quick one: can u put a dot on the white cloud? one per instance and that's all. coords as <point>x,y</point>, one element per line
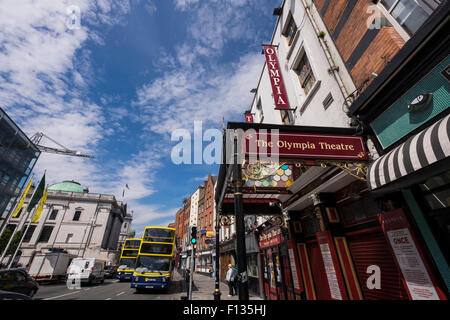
<point>150,7</point>
<point>195,85</point>
<point>45,71</point>
<point>184,4</point>
<point>178,98</point>
<point>151,215</point>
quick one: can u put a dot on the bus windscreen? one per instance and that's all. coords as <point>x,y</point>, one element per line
<point>128,262</point>
<point>132,244</point>
<point>159,235</point>
<point>156,248</point>
<point>153,264</point>
<point>130,253</point>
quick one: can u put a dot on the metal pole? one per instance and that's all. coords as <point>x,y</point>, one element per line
<point>217,290</point>
<point>15,230</point>
<point>23,237</point>
<point>191,272</point>
<point>16,203</point>
<point>240,229</point>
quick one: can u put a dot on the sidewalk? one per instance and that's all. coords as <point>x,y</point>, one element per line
<point>204,288</point>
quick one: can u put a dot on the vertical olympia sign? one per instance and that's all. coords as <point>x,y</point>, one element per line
<point>276,79</point>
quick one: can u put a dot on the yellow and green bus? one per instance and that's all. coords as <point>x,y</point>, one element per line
<point>128,259</point>
<point>155,260</point>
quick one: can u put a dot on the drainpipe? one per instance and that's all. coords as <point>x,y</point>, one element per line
<point>324,45</point>
<point>93,223</point>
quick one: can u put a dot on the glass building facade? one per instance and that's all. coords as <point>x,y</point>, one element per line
<point>17,158</point>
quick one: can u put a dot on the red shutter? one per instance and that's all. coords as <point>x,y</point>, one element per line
<point>318,271</point>
<point>371,248</point>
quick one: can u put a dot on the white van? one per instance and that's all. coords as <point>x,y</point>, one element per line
<point>89,270</point>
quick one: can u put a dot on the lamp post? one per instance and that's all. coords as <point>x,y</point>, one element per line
<point>217,289</point>
<point>240,224</point>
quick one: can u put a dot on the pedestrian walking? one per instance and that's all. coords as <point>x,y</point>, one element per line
<point>236,279</point>
<point>230,277</point>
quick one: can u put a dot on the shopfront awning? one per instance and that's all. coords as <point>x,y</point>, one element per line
<point>423,150</point>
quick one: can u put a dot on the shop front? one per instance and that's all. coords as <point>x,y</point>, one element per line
<point>314,162</point>
<point>275,268</point>
<point>227,256</point>
<point>407,116</point>
<point>253,264</point>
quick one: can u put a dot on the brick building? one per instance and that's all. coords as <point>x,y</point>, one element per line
<point>206,226</point>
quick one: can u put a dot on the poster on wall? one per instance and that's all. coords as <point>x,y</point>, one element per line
<point>416,273</point>
<point>330,271</point>
<point>331,265</point>
<point>295,268</point>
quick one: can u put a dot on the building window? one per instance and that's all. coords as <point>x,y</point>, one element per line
<point>327,101</point>
<point>286,117</point>
<point>45,234</point>
<point>76,216</point>
<point>359,210</point>
<point>69,237</point>
<point>29,233</point>
<point>19,213</point>
<point>260,111</point>
<point>305,74</point>
<point>290,30</point>
<point>53,214</point>
<point>410,14</point>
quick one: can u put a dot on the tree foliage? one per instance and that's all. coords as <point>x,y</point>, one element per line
<point>5,238</point>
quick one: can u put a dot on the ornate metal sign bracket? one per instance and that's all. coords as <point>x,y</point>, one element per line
<point>356,169</point>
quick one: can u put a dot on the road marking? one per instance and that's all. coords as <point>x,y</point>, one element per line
<point>120,293</point>
<point>63,295</point>
<point>108,299</point>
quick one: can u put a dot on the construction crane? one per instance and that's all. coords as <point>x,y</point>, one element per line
<point>36,139</point>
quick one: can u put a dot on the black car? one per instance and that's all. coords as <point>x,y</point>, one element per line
<point>110,272</point>
<point>19,281</point>
<point>9,295</point>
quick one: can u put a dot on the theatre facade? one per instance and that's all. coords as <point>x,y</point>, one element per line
<point>348,212</point>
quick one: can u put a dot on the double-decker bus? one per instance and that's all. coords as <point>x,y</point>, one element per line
<point>155,259</point>
<point>128,259</point>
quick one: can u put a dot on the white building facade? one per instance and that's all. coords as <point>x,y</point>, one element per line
<point>84,224</point>
<point>316,81</point>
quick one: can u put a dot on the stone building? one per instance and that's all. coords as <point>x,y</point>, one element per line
<point>85,224</point>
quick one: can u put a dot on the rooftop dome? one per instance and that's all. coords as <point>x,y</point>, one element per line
<point>67,186</point>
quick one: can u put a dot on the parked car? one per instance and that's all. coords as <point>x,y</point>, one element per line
<point>88,270</point>
<point>110,272</point>
<point>9,295</point>
<point>18,281</point>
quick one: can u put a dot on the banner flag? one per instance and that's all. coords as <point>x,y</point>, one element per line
<point>37,195</point>
<point>38,212</point>
<point>22,200</point>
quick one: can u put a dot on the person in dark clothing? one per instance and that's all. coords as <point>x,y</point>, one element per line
<point>231,277</point>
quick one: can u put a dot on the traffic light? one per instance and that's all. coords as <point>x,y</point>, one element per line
<point>194,235</point>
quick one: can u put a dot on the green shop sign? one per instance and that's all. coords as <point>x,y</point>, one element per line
<point>428,98</point>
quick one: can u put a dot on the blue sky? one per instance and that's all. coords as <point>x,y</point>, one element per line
<point>119,85</point>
